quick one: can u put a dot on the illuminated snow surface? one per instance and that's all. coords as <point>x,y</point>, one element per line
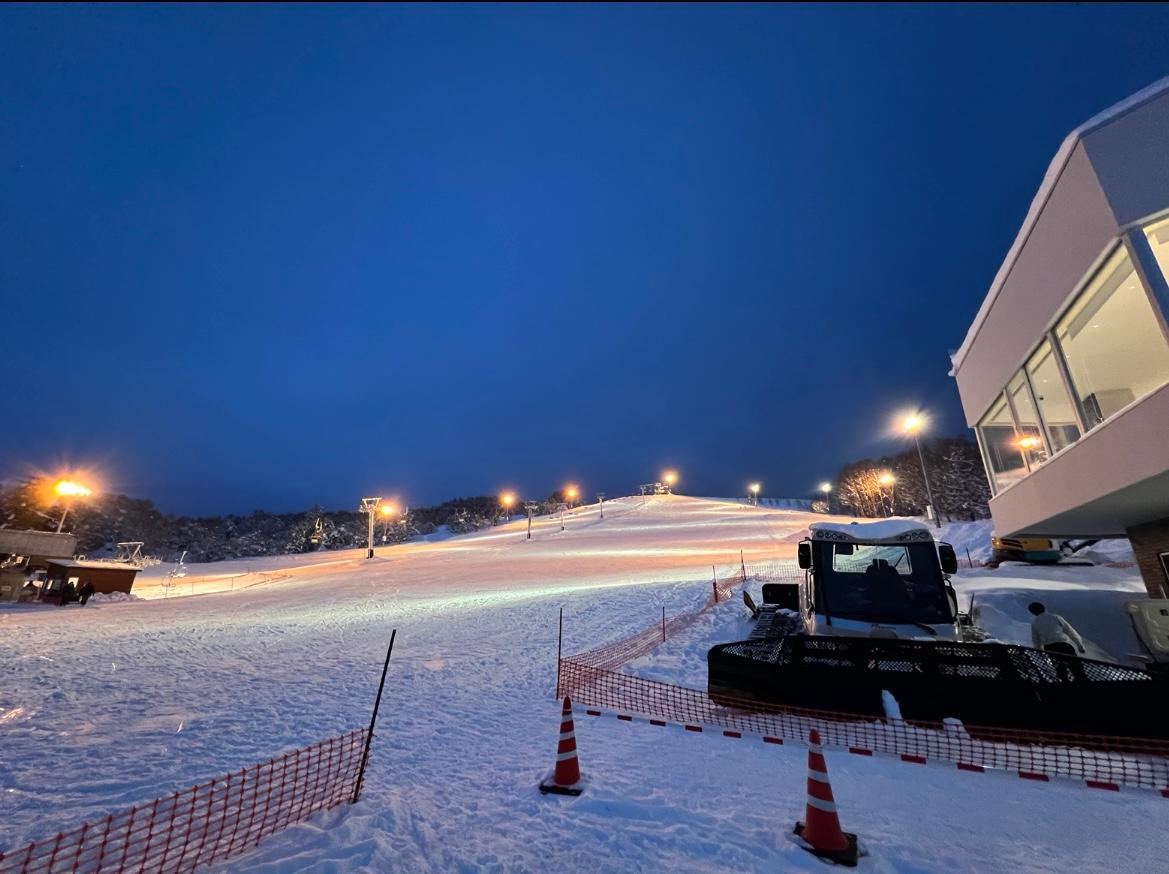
<point>111,705</point>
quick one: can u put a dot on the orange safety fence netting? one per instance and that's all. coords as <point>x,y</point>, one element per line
<point>205,823</point>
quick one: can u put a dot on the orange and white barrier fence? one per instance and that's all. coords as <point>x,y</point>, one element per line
<point>1107,763</point>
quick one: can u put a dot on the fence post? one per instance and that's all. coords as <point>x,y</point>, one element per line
<point>559,646</point>
<point>743,565</point>
<point>663,623</point>
<point>969,560</point>
<point>373,719</point>
<point>714,583</point>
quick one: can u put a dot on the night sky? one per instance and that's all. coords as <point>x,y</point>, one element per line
<point>264,257</point>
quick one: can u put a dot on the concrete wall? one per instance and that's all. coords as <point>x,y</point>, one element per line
<point>44,544</point>
<point>1071,233</point>
<point>1130,155</point>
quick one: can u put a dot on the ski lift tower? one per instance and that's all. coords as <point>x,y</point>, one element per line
<point>130,552</point>
<point>531,507</point>
<point>369,508</point>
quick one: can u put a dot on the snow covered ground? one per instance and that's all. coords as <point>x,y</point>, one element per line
<point>109,705</point>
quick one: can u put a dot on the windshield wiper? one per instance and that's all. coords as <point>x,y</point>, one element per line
<point>883,621</point>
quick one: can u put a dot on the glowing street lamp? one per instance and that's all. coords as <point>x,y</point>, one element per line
<point>571,493</point>
<point>754,490</point>
<point>68,490</point>
<point>912,425</point>
<point>670,478</point>
<point>826,491</point>
<point>507,501</point>
<point>890,482</point>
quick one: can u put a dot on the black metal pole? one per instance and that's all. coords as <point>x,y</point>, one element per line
<point>559,643</point>
<point>929,495</point>
<point>373,719</point>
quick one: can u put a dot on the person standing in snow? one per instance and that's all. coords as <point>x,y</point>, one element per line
<point>86,592</point>
<point>1052,633</point>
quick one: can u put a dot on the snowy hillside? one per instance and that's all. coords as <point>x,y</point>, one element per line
<point>106,706</point>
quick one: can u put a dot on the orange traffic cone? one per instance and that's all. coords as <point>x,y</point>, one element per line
<point>566,777</point>
<point>820,831</point>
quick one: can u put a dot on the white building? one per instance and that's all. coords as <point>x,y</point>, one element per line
<point>1064,374</point>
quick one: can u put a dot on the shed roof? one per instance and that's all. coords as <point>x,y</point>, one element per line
<point>93,563</point>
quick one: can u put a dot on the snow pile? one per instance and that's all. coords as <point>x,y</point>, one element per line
<point>114,598</point>
<point>891,530</point>
<point>891,706</point>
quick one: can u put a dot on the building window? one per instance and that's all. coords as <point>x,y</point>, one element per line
<point>1158,235</point>
<point>1055,404</point>
<point>1000,442</point>
<point>1030,433</point>
<point>1113,342</point>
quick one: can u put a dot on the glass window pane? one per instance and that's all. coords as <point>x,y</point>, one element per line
<point>1027,421</point>
<point>1055,403</point>
<point>1112,341</point>
<point>1158,235</point>
<point>1001,445</point>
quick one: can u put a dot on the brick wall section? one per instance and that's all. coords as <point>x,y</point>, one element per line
<point>1148,542</point>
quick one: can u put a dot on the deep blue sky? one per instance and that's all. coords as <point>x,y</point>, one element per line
<point>265,257</point>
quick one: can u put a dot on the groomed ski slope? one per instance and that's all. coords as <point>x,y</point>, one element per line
<point>107,706</point>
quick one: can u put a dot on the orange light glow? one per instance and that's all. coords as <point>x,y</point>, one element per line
<point>887,479</point>
<point>69,489</point>
<point>507,499</point>
<point>912,423</point>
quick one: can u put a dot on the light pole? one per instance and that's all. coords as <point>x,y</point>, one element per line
<point>754,490</point>
<point>912,425</point>
<point>531,507</point>
<point>670,478</point>
<point>369,507</point>
<point>601,499</point>
<point>826,490</point>
<point>890,482</point>
<point>571,493</point>
<point>68,490</point>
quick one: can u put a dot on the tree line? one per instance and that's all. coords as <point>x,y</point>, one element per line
<point>893,484</point>
<point>104,520</point>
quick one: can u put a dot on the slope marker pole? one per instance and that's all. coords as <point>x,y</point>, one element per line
<point>373,719</point>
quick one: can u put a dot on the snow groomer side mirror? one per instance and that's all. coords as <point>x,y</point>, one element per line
<point>804,555</point>
<point>948,559</point>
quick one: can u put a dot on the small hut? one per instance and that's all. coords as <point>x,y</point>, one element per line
<point>106,576</point>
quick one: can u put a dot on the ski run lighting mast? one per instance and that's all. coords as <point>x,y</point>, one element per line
<point>369,508</point>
